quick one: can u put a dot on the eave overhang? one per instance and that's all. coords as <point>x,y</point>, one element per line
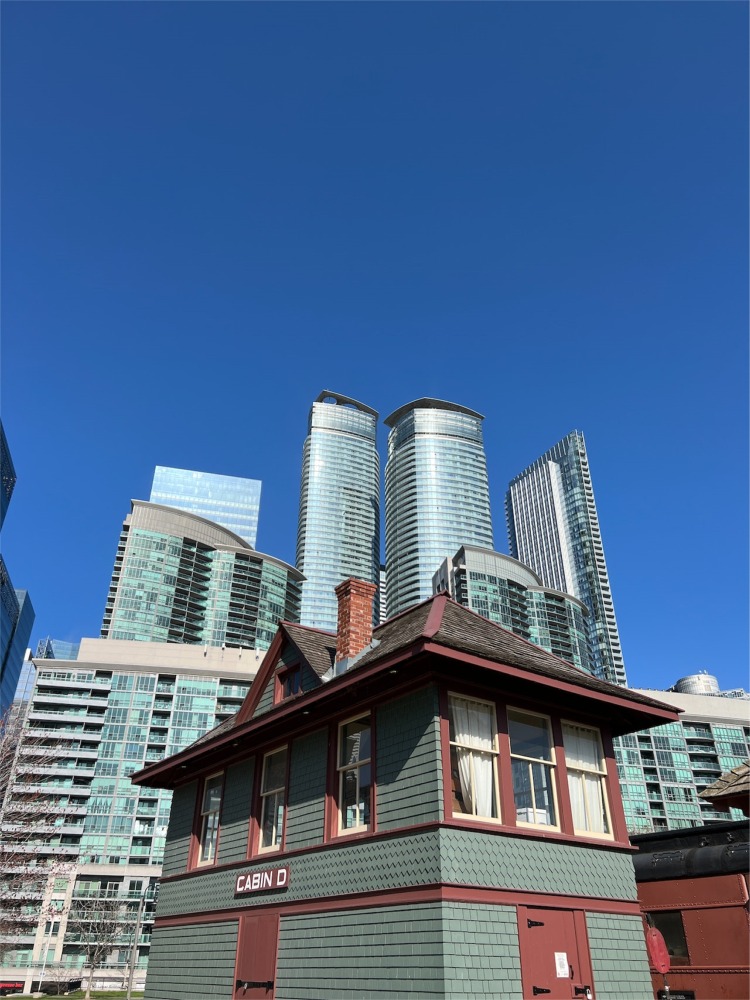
<point>421,660</point>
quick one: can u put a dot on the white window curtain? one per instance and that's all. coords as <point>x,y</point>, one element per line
<point>474,730</point>
<point>585,780</point>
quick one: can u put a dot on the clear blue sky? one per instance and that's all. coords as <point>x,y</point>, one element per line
<point>211,212</point>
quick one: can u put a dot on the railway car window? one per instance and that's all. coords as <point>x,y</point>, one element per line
<point>669,922</point>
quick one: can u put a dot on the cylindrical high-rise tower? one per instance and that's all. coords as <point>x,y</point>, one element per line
<point>436,494</point>
<point>338,535</point>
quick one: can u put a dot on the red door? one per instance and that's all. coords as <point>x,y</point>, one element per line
<point>255,970</point>
<point>555,963</point>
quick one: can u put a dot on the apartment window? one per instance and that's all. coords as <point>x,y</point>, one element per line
<point>209,819</point>
<point>473,748</point>
<point>273,800</point>
<point>586,779</point>
<point>355,775</point>
<point>532,766</point>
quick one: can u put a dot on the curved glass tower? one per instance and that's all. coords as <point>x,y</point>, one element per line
<point>338,535</point>
<point>436,494</point>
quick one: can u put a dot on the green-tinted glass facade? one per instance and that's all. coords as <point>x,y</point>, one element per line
<point>662,771</point>
<point>179,578</point>
<point>507,592</point>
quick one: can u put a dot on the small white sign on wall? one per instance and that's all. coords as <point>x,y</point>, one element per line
<point>561,964</point>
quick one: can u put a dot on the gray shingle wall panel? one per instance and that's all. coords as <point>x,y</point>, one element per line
<point>180,829</point>
<point>235,811</point>
<point>618,957</point>
<point>307,790</point>
<point>471,857</point>
<point>409,776</point>
<point>192,963</point>
<point>345,868</point>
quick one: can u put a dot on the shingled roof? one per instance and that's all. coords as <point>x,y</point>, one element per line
<point>446,623</point>
<point>732,784</point>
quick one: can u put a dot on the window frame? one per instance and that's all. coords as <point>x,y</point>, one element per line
<point>494,753</point>
<point>201,824</point>
<point>602,773</point>
<point>339,830</point>
<point>282,675</point>
<point>264,796</point>
<point>552,766</point>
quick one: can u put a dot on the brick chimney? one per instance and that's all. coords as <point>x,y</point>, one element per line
<point>354,630</point>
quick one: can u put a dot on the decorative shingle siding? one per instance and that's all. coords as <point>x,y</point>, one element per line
<point>346,868</point>
<point>387,953</point>
<point>475,858</point>
<point>235,812</point>
<point>618,957</point>
<point>180,829</point>
<point>409,776</point>
<point>480,949</point>
<point>192,963</point>
<point>307,790</point>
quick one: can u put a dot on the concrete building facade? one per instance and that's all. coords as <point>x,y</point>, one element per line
<point>89,833</point>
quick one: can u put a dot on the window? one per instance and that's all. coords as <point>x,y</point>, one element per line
<point>473,743</point>
<point>669,923</point>
<point>273,800</point>
<point>288,683</point>
<point>355,775</point>
<point>209,819</point>
<point>586,779</point>
<point>532,766</point>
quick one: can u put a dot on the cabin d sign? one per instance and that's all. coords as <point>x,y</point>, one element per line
<point>262,880</point>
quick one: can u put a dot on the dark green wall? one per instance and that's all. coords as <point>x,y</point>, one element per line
<point>307,790</point>
<point>192,963</point>
<point>409,775</point>
<point>180,829</point>
<point>235,811</point>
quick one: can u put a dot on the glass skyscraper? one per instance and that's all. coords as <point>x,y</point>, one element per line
<point>436,495</point>
<point>338,534</point>
<point>505,591</point>
<point>16,611</point>
<point>553,527</point>
<point>229,501</point>
<point>180,578</point>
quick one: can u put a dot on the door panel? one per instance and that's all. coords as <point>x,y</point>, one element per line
<point>555,963</point>
<point>256,957</point>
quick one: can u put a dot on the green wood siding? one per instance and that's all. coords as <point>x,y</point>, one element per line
<point>235,812</point>
<point>180,829</point>
<point>409,775</point>
<point>192,963</point>
<point>451,951</point>
<point>307,789</point>
<point>480,952</point>
<point>618,957</point>
<point>386,953</point>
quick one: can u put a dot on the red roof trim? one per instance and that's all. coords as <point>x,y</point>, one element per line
<point>435,617</point>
